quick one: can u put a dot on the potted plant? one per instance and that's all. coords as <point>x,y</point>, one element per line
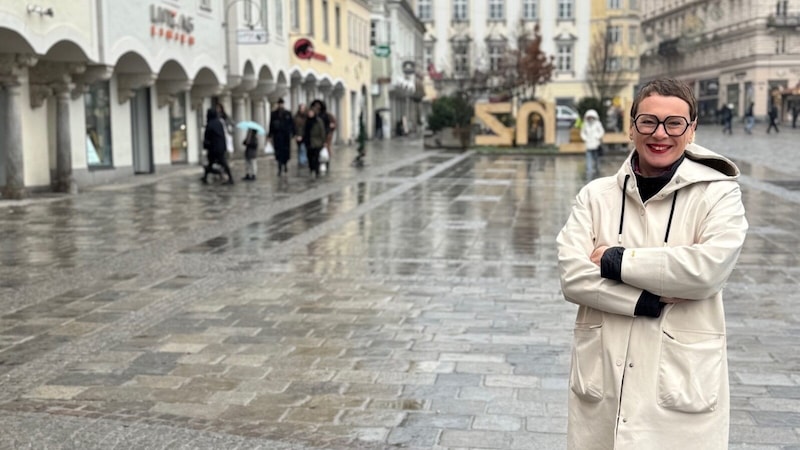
<point>453,112</point>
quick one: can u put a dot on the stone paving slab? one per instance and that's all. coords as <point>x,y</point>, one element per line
<point>412,305</point>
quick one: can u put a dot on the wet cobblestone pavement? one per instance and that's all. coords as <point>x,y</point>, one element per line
<point>410,304</point>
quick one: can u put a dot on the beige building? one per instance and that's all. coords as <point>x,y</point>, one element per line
<point>733,51</point>
<point>337,70</point>
<point>613,66</point>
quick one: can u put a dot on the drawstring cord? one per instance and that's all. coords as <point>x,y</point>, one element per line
<point>622,212</point>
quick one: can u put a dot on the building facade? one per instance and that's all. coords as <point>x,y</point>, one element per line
<point>739,52</point>
<point>331,60</point>
<point>96,90</point>
<point>396,39</point>
<point>613,63</point>
<point>463,36</point>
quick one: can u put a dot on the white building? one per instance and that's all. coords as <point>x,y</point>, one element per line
<point>736,52</point>
<point>467,35</point>
<point>98,89</point>
<point>396,39</point>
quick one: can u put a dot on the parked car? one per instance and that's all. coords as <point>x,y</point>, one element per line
<point>565,116</point>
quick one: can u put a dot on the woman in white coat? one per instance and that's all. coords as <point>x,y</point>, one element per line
<point>592,135</point>
<point>645,254</point>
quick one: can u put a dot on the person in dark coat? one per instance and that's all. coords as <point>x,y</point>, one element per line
<point>321,110</point>
<point>250,152</point>
<point>214,143</point>
<point>281,130</point>
<point>314,136</point>
<point>773,119</point>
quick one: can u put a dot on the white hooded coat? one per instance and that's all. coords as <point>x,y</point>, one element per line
<point>675,393</point>
<point>592,131</point>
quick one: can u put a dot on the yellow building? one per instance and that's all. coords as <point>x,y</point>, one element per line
<point>331,60</point>
<point>613,68</point>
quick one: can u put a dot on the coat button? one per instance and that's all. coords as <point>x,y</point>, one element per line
<point>641,212</point>
<point>624,420</point>
<point>619,362</point>
<point>630,365</point>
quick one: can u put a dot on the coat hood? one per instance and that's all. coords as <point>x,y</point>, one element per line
<point>701,164</point>
<point>211,114</point>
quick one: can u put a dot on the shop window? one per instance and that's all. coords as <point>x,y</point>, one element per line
<point>98,126</point>
<point>177,130</point>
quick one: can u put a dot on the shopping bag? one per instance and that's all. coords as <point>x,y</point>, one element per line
<point>269,149</point>
<point>324,155</point>
<point>228,141</point>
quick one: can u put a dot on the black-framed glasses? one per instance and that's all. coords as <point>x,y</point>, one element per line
<point>674,126</point>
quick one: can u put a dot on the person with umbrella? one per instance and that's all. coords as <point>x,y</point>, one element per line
<point>281,130</point>
<point>250,147</point>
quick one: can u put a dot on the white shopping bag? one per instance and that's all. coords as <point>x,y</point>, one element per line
<point>269,149</point>
<point>324,155</point>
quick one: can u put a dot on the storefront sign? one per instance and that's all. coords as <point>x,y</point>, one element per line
<point>247,36</point>
<point>382,51</point>
<point>171,25</point>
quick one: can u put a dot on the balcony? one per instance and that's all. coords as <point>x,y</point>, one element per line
<point>669,47</point>
<point>783,21</point>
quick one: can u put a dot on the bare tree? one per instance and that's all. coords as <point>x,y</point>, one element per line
<point>605,76</point>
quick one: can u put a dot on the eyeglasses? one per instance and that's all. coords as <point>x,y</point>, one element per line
<point>674,126</point>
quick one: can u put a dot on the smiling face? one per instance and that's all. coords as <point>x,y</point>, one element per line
<point>659,151</point>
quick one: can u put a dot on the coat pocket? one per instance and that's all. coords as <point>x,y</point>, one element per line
<point>586,374</point>
<point>690,370</point>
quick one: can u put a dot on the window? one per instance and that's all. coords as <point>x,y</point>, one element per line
<point>264,21</point>
<point>337,16</point>
<point>424,10</point>
<point>632,4</point>
<point>613,64</point>
<point>373,33</point>
<point>613,34</point>
<point>565,9</point>
<point>459,10</point>
<point>496,52</point>
<point>496,10</point>
<point>428,55</point>
<point>279,18</point>
<point>177,130</point>
<point>98,125</point>
<point>781,7</point>
<point>326,37</point>
<point>633,35</point>
<point>632,64</point>
<point>310,19</point>
<point>564,58</point>
<point>530,9</point>
<point>614,4</point>
<point>248,13</point>
<point>461,58</point>
<point>205,5</point>
<point>294,12</point>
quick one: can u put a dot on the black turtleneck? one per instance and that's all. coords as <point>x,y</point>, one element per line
<point>649,186</point>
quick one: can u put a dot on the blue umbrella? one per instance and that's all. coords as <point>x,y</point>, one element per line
<point>250,125</point>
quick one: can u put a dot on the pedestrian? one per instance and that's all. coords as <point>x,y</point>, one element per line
<point>773,119</point>
<point>281,130</point>
<point>378,125</point>
<point>592,135</point>
<point>321,110</point>
<point>314,136</point>
<point>299,126</point>
<point>227,126</point>
<point>250,152</point>
<point>795,111</point>
<point>727,118</point>
<point>214,143</point>
<point>749,119</point>
<point>645,254</point>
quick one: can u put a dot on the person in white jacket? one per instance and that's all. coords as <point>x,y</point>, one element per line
<point>592,134</point>
<point>645,254</point>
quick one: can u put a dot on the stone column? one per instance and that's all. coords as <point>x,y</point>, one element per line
<point>64,181</point>
<point>259,117</point>
<point>15,166</point>
<point>238,116</point>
